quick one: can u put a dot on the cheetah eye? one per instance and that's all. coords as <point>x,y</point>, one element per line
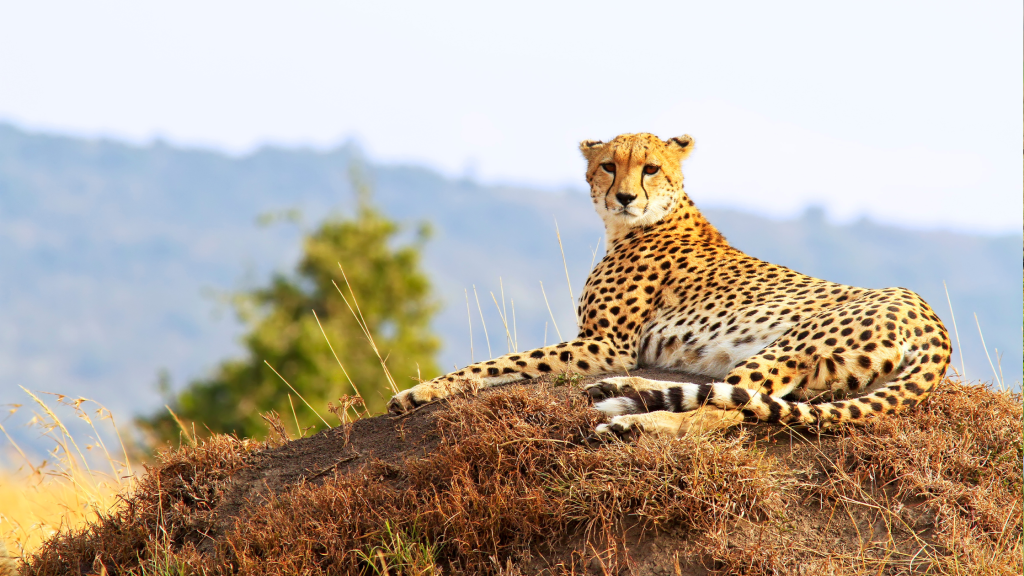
<point>609,167</point>
<point>651,169</point>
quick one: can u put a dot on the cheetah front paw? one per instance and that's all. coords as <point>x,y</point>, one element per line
<point>410,399</point>
<point>436,389</point>
<point>621,427</point>
<point>610,387</point>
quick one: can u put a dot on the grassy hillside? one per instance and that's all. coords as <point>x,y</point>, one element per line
<point>512,482</point>
<point>112,256</point>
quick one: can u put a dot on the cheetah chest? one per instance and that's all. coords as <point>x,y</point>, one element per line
<point>694,344</point>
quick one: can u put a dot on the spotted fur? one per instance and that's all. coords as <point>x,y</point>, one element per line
<point>672,293</point>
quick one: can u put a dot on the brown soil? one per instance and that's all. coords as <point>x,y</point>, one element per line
<point>511,482</point>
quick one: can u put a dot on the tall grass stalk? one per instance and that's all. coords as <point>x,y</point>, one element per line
<point>999,363</point>
<point>555,324</point>
<point>983,345</point>
<point>963,368</point>
<point>568,282</point>
<point>515,333</point>
<point>67,437</point>
<point>298,427</point>
<point>15,444</point>
<point>313,410</point>
<point>357,313</point>
<point>504,313</point>
<point>593,251</point>
<point>469,317</point>
<point>181,426</point>
<point>482,322</point>
<point>508,335</point>
<point>340,365</point>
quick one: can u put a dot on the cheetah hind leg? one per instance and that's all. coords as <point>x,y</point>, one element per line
<point>672,424</point>
<point>621,385</point>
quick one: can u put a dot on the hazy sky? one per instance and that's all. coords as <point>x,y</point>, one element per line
<point>908,112</point>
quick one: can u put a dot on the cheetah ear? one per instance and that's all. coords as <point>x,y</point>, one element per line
<point>682,145</point>
<point>589,147</point>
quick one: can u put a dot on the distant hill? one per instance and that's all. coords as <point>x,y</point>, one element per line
<point>111,257</point>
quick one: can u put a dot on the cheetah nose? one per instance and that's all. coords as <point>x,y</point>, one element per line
<point>625,199</point>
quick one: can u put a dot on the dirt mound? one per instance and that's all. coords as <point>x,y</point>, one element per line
<point>384,442</point>
<point>511,481</point>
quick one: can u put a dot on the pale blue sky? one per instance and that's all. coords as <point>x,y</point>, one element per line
<point>910,112</point>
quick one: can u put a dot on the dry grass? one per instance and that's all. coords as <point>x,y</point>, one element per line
<point>511,471</point>
<point>516,486</point>
<point>74,485</point>
<point>959,461</point>
<point>164,518</point>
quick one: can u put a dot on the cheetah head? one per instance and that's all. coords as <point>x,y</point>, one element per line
<point>636,179</point>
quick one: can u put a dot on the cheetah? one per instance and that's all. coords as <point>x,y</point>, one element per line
<point>672,293</point>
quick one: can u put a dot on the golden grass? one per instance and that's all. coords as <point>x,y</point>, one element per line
<point>34,507</point>
<point>74,485</point>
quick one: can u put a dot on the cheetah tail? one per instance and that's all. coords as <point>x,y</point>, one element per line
<point>901,394</point>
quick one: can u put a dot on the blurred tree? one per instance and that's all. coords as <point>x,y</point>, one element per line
<point>393,298</point>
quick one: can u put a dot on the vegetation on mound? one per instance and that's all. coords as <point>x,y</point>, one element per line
<point>516,486</point>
